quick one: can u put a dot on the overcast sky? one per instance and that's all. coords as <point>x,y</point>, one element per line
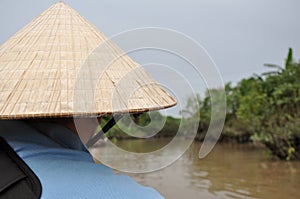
<point>240,35</point>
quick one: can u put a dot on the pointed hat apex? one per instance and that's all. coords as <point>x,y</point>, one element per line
<point>39,67</point>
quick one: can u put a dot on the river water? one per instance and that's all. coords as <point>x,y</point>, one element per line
<point>229,171</point>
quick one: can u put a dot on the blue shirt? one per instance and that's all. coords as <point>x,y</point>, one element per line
<point>63,165</point>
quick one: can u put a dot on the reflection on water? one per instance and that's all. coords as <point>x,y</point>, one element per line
<point>230,171</point>
<point>140,156</point>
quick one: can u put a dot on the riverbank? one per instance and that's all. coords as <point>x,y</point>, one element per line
<point>263,108</point>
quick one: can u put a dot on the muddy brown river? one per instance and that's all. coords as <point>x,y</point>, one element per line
<point>229,171</point>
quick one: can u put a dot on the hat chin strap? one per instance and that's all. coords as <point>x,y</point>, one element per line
<point>103,131</point>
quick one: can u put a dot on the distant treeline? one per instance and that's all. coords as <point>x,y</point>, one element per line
<point>143,125</point>
<point>263,108</point>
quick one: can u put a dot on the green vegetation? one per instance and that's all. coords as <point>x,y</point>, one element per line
<point>132,126</point>
<point>270,104</point>
<point>263,108</point>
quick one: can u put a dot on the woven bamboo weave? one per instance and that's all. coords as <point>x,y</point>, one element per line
<point>41,73</point>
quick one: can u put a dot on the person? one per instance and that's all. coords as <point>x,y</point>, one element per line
<point>60,65</point>
<point>55,153</point>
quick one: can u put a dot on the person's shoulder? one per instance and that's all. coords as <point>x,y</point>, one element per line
<point>69,173</point>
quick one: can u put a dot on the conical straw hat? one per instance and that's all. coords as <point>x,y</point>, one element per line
<point>40,64</point>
